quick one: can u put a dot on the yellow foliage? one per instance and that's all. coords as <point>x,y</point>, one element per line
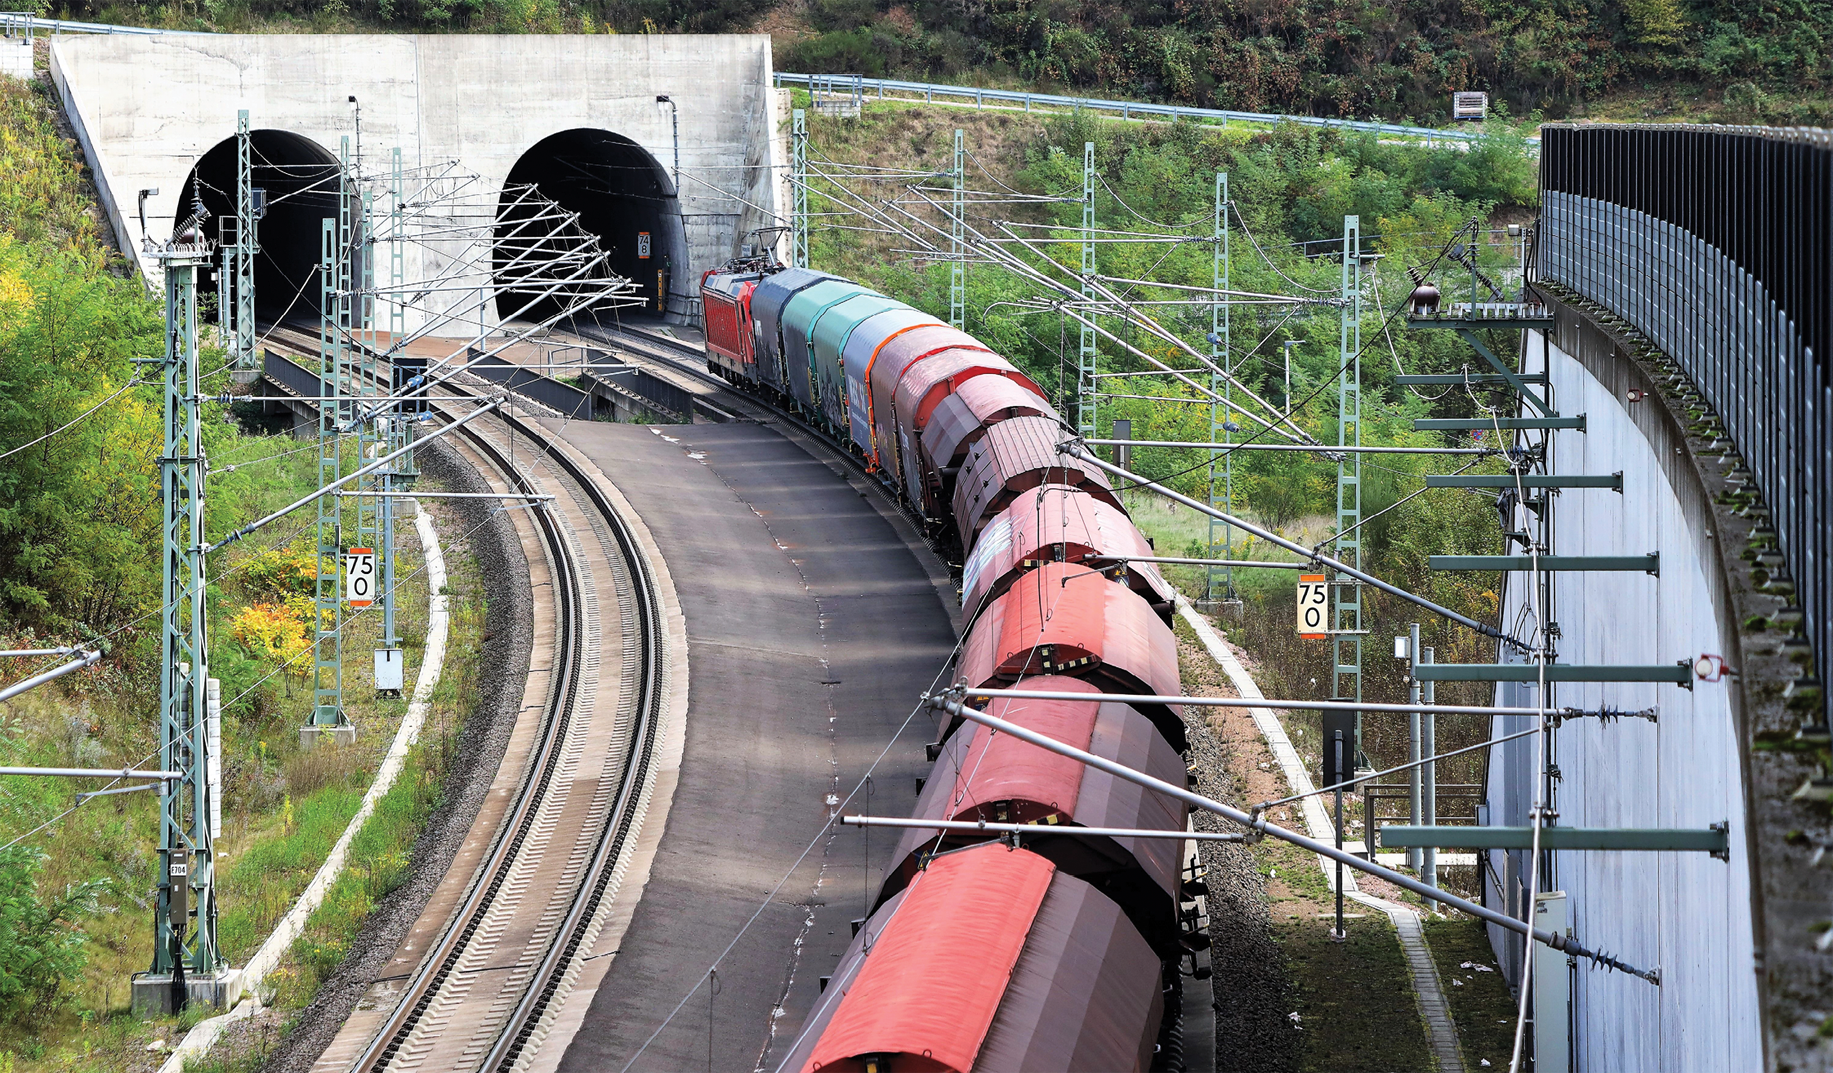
<point>280,573</point>
<point>14,290</point>
<point>276,632</point>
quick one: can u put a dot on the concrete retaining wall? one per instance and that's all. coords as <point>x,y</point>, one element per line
<point>1694,916</point>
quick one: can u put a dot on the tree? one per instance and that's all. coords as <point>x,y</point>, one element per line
<point>41,946</point>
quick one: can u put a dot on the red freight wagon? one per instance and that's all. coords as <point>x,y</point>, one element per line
<point>996,778</point>
<point>1057,523</point>
<point>969,968</point>
<point>1064,618</point>
<point>962,418</point>
<point>1014,457</point>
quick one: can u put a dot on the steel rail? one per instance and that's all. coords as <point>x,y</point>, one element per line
<point>621,819</point>
<point>443,959</point>
<point>662,349</point>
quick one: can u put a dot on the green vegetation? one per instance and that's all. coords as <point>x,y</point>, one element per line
<point>1292,187</point>
<point>79,538</point>
<point>1731,60</point>
<point>1475,989</point>
<point>1398,61</point>
<point>1357,994</point>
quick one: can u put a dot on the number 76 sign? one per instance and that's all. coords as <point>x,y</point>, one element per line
<point>1313,607</point>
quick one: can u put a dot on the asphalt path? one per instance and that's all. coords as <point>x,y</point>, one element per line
<point>814,621</point>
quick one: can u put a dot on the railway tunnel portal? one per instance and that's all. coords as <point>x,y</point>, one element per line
<point>579,117</point>
<point>623,197</point>
<point>298,178</point>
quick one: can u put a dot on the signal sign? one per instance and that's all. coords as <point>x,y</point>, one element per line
<point>360,576</point>
<point>1313,607</point>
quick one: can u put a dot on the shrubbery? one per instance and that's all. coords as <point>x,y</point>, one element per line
<point>41,946</point>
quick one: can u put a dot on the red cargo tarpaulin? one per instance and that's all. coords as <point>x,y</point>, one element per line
<point>981,775</point>
<point>967,970</point>
<point>1058,523</point>
<point>1064,618</point>
<point>1013,457</point>
<point>962,418</point>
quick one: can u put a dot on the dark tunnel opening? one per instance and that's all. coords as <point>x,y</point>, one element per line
<point>300,180</point>
<point>621,195</point>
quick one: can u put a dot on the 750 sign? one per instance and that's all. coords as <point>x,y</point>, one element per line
<point>1313,607</point>
<point>360,576</point>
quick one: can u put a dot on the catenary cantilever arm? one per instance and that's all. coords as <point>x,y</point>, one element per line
<point>1258,824</point>
<point>1311,554</point>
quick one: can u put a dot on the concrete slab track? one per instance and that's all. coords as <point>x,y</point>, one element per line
<point>813,624</point>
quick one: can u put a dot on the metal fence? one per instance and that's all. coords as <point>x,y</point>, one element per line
<point>563,399</point>
<point>1717,244</point>
<point>859,87</point>
<point>28,23</point>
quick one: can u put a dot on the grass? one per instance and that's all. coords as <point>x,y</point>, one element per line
<point>1480,1001</point>
<point>284,809</point>
<point>1355,996</point>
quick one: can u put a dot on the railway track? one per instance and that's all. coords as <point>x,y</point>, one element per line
<point>483,990</point>
<point>690,361</point>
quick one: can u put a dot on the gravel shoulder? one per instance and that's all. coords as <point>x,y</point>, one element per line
<point>1252,985</point>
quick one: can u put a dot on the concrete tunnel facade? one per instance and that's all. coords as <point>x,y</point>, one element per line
<point>577,116</point>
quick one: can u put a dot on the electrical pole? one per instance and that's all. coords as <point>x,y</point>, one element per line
<point>1415,857</point>
<point>186,889</point>
<point>328,715</point>
<point>957,268</point>
<point>371,435</point>
<point>1429,791</point>
<point>1221,416</point>
<point>248,214</point>
<point>1085,356</point>
<point>798,191</point>
<point>388,662</point>
<point>1346,639</point>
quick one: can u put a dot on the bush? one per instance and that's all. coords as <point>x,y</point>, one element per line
<point>41,946</point>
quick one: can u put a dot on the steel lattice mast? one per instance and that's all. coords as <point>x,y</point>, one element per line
<point>399,433</point>
<point>1086,383</point>
<point>1346,639</point>
<point>187,884</point>
<point>371,433</point>
<point>957,267</point>
<point>247,362</point>
<point>798,191</point>
<point>333,341</point>
<point>1221,385</point>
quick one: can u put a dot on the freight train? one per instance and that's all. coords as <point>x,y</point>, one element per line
<point>1050,951</point>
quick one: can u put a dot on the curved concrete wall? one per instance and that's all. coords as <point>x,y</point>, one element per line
<point>1688,913</point>
<point>146,108</point>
